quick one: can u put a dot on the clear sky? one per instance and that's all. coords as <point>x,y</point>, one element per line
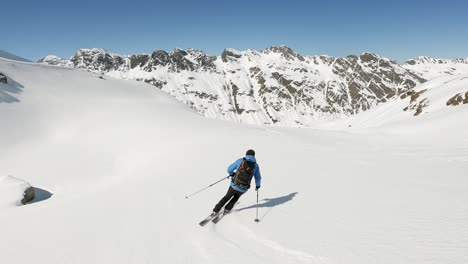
<point>392,28</point>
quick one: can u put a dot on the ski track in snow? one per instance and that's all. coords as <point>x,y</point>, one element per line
<point>277,249</point>
<point>256,247</point>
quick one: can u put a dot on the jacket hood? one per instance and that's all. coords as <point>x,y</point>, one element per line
<point>251,158</point>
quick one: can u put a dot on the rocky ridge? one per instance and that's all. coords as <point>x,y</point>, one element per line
<point>272,86</point>
<point>429,68</point>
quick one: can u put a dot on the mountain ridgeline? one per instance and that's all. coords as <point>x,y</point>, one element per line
<point>272,86</point>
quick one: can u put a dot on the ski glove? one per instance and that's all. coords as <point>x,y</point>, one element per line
<point>257,187</point>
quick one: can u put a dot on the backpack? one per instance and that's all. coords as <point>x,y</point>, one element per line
<point>244,174</point>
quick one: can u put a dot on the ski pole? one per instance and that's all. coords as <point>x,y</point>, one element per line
<point>256,219</point>
<point>186,197</point>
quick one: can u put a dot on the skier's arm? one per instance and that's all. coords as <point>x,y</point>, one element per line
<point>234,166</point>
<point>258,177</point>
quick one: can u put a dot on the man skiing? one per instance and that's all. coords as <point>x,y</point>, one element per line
<point>242,171</point>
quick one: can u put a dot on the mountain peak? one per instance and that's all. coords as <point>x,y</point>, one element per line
<point>54,60</point>
<point>421,60</point>
<point>369,57</point>
<point>230,54</point>
<point>93,50</point>
<point>285,51</point>
<point>430,60</point>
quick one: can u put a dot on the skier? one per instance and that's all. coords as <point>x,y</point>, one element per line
<point>241,171</point>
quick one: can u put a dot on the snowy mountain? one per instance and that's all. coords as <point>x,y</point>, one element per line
<point>7,55</point>
<point>55,60</point>
<point>429,68</point>
<point>273,86</point>
<point>120,157</point>
<point>441,102</point>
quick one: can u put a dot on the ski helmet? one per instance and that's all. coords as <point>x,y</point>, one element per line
<point>250,152</point>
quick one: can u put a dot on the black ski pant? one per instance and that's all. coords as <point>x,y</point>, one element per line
<point>231,195</point>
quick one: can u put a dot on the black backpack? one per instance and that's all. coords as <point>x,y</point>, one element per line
<point>244,174</point>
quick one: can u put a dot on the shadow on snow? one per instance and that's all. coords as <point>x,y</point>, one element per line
<point>270,203</point>
<point>40,195</point>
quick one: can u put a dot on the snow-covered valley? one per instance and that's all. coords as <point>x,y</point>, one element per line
<point>120,157</point>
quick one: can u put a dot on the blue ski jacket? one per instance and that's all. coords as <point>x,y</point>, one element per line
<point>234,167</point>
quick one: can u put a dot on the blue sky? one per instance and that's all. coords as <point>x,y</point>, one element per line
<point>395,29</point>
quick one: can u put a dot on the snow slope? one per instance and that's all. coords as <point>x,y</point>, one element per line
<point>8,89</point>
<point>120,157</point>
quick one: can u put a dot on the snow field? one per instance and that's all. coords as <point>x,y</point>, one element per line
<point>121,156</point>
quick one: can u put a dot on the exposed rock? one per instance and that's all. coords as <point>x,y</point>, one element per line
<point>3,78</point>
<point>411,62</point>
<point>203,60</point>
<point>286,52</point>
<point>138,61</point>
<point>160,58</point>
<point>28,195</point>
<point>418,106</point>
<point>415,95</point>
<point>406,94</point>
<point>411,83</point>
<point>158,83</point>
<point>235,92</point>
<point>229,53</point>
<point>284,82</point>
<point>97,60</point>
<point>458,99</point>
<point>179,61</point>
<point>368,57</point>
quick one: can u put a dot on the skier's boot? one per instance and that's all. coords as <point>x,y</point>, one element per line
<point>213,213</point>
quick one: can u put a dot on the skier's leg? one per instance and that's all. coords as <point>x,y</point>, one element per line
<point>231,192</point>
<point>233,201</point>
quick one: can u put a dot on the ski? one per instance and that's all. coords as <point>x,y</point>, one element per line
<point>219,216</point>
<point>208,219</point>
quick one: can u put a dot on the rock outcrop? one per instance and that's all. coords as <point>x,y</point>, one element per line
<point>3,78</point>
<point>458,99</point>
